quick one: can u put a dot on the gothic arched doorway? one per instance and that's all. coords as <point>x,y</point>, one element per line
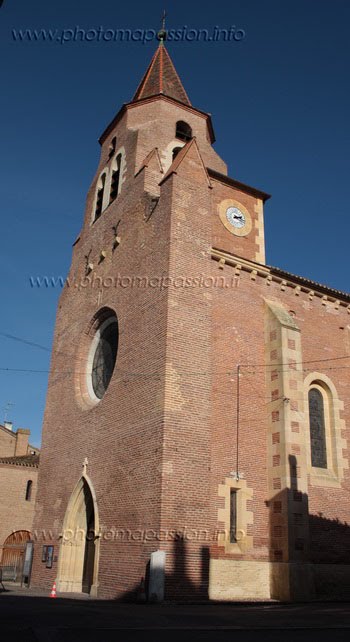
<point>13,554</point>
<point>78,560</point>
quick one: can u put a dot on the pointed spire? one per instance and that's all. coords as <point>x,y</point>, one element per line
<point>161,77</point>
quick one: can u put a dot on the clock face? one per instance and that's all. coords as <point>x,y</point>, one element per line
<point>235,217</point>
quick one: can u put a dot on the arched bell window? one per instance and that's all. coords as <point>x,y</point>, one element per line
<point>112,148</point>
<point>115,178</point>
<point>317,423</point>
<point>183,131</point>
<point>99,196</point>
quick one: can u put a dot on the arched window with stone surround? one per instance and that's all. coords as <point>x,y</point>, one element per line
<point>325,431</point>
<point>317,425</point>
<point>183,131</point>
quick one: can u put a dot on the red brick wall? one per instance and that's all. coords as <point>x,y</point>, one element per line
<point>156,124</point>
<point>187,426</point>
<point>16,514</point>
<point>122,435</point>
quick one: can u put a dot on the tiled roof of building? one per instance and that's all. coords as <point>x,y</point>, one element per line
<point>311,284</point>
<point>161,78</point>
<point>31,461</point>
<point>238,184</point>
<point>281,275</point>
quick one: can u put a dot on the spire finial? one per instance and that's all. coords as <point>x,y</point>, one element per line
<point>162,34</point>
<point>163,19</point>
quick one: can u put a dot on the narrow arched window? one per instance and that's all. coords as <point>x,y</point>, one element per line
<point>99,199</point>
<point>29,490</point>
<point>176,150</point>
<point>183,131</point>
<point>317,429</point>
<point>112,147</point>
<point>115,180</point>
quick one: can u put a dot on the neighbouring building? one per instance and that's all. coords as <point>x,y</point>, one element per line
<point>198,400</point>
<point>19,462</point>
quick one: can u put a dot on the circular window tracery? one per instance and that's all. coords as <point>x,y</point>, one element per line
<point>102,358</point>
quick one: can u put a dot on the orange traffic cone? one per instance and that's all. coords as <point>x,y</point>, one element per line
<point>53,592</point>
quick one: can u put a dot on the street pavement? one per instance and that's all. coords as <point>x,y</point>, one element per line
<point>26,616</point>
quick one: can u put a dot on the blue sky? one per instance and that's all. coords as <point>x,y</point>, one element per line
<point>280,105</point>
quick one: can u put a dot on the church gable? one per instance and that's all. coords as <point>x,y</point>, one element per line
<point>188,164</point>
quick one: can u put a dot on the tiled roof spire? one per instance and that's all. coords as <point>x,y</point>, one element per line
<point>161,77</point>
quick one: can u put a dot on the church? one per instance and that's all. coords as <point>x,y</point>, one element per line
<point>196,431</point>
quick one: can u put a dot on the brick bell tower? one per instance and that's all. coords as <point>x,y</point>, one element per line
<point>138,438</point>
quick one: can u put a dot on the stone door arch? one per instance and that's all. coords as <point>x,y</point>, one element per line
<point>79,551</point>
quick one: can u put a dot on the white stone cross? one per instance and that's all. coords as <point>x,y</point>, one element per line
<point>85,463</point>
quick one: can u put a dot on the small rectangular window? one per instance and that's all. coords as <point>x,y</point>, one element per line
<point>233,516</point>
<point>29,490</point>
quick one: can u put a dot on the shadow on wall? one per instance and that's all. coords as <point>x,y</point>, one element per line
<point>330,539</point>
<point>309,554</point>
<point>178,584</point>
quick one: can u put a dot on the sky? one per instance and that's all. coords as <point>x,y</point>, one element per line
<point>280,100</point>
